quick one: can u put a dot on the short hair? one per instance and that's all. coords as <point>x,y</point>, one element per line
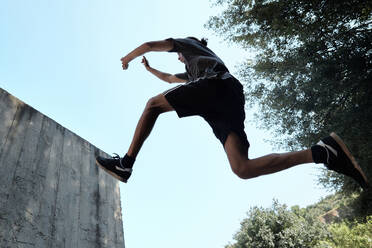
<point>203,41</point>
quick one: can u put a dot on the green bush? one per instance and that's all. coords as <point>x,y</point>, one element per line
<point>278,227</point>
<point>349,235</point>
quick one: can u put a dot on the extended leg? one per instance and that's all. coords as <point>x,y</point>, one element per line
<point>121,168</point>
<point>246,168</point>
<point>154,107</point>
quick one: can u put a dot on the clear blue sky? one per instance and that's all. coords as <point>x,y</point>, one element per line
<point>63,58</point>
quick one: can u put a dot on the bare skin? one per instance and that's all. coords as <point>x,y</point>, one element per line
<point>241,165</point>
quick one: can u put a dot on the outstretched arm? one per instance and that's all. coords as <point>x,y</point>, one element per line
<point>151,46</point>
<point>162,75</point>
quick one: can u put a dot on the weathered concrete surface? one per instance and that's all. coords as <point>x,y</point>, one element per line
<point>51,192</point>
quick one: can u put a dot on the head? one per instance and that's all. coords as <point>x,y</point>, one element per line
<point>203,42</point>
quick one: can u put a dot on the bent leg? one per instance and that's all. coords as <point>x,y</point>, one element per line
<point>154,107</point>
<point>246,168</point>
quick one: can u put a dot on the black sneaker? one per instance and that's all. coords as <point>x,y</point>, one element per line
<point>114,167</point>
<point>338,158</point>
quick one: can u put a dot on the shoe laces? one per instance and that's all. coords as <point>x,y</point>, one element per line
<point>117,157</point>
<point>327,148</point>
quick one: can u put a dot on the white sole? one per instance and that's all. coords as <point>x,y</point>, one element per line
<point>349,155</point>
<point>111,173</point>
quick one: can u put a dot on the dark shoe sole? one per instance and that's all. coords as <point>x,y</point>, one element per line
<point>112,173</point>
<point>350,156</point>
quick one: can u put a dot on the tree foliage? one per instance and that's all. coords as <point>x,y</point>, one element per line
<point>278,227</point>
<point>312,71</point>
<point>282,227</point>
<point>349,235</point>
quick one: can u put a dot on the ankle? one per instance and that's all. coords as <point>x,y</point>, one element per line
<point>127,161</point>
<point>319,154</point>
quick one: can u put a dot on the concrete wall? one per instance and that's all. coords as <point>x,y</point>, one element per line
<point>51,192</point>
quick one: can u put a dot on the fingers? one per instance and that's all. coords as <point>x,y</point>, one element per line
<point>124,63</point>
<point>144,61</point>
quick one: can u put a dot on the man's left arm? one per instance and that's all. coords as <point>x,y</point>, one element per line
<point>169,78</point>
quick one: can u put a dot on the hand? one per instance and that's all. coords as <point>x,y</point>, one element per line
<point>125,63</point>
<point>145,62</point>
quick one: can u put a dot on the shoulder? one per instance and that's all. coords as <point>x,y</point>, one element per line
<point>185,45</point>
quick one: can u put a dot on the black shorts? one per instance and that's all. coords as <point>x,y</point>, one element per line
<point>219,101</point>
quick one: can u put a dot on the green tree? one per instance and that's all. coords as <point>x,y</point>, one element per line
<point>312,71</point>
<point>278,227</point>
<point>350,235</point>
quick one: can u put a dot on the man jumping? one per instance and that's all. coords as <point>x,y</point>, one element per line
<point>210,91</point>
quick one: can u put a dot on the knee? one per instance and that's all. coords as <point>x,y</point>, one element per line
<point>244,170</point>
<point>154,106</point>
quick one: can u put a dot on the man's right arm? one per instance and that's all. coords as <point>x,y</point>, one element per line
<point>151,46</point>
<point>169,78</point>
